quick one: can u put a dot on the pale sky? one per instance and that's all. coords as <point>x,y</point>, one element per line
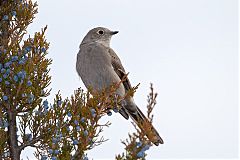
<point>188,49</point>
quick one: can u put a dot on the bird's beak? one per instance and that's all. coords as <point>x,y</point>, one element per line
<point>113,32</point>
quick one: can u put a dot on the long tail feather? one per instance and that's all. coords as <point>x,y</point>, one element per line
<point>146,126</point>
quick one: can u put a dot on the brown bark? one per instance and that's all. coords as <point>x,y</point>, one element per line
<point>12,136</point>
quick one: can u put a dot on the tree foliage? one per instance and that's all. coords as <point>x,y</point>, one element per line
<point>64,128</point>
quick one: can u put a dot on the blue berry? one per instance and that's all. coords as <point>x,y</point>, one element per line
<point>21,74</point>
<point>56,151</point>
<point>15,78</point>
<point>5,76</point>
<point>30,98</point>
<point>14,58</point>
<point>78,128</point>
<point>21,62</point>
<point>24,74</point>
<point>82,119</point>
<point>139,144</point>
<point>50,151</point>
<point>5,98</point>
<point>54,158</point>
<point>145,148</point>
<point>7,82</point>
<point>28,49</point>
<point>7,64</point>
<point>44,157</point>
<point>69,114</point>
<point>85,158</point>
<point>24,95</point>
<point>3,70</point>
<point>5,17</point>
<point>140,154</point>
<point>76,122</point>
<point>54,140</point>
<point>29,83</point>
<point>75,142</point>
<point>109,113</point>
<point>115,110</point>
<point>0,79</point>
<point>93,111</point>
<point>37,112</point>
<point>46,108</point>
<point>59,102</point>
<point>85,133</point>
<point>60,135</point>
<point>14,13</point>
<point>45,103</point>
<point>8,71</point>
<point>43,49</point>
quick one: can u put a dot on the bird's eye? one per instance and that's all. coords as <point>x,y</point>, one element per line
<point>100,32</point>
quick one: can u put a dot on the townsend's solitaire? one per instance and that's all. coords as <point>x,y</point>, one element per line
<point>99,67</point>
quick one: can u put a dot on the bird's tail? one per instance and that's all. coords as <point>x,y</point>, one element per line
<point>146,126</point>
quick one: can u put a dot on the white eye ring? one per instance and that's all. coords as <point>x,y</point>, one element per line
<point>100,32</point>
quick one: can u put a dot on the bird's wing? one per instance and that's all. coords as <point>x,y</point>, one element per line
<point>120,71</point>
<point>118,67</point>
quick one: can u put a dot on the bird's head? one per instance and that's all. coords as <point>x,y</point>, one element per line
<point>100,35</point>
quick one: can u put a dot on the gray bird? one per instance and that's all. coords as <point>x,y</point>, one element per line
<point>99,67</point>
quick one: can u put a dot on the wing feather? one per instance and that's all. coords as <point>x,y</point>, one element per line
<point>119,69</point>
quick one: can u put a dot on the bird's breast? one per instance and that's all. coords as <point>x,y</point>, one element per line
<point>95,68</point>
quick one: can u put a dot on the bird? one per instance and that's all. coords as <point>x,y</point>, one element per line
<point>99,67</point>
